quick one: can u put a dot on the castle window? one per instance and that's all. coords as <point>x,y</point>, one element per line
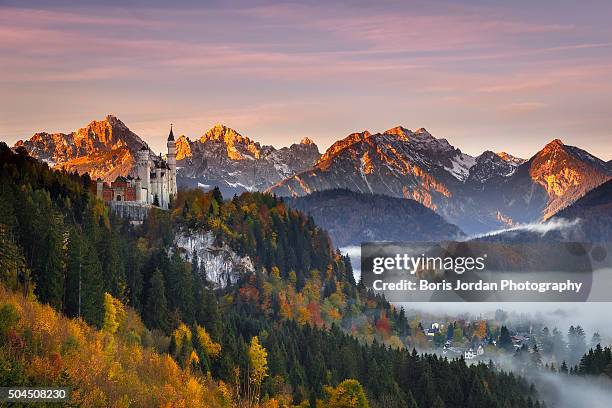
<point>118,198</point>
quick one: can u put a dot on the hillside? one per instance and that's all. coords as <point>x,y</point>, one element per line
<point>351,218</point>
<point>289,331</point>
<point>594,211</point>
<point>108,367</point>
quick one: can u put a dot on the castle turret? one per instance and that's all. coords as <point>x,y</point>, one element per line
<point>99,188</point>
<point>171,158</point>
<point>144,168</point>
<point>138,188</point>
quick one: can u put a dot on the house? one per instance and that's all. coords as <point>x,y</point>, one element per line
<point>469,354</point>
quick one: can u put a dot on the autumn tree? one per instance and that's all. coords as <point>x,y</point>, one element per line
<point>348,394</point>
<point>114,314</point>
<point>258,370</point>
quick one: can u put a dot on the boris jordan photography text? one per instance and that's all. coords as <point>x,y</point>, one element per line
<point>481,285</point>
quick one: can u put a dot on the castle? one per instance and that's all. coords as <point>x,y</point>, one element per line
<point>154,182</point>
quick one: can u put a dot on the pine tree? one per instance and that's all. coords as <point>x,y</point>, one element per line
<point>505,340</point>
<point>92,290</point>
<point>156,309</point>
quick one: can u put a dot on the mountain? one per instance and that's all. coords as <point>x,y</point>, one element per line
<point>409,164</point>
<point>594,212</point>
<point>551,180</point>
<point>223,157</point>
<point>398,162</point>
<point>491,191</point>
<point>104,148</point>
<point>352,218</point>
<point>491,165</point>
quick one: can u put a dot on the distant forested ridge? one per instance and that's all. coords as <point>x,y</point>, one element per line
<point>297,330</point>
<point>352,218</point>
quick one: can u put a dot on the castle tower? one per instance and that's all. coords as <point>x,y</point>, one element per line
<point>138,188</point>
<point>171,158</point>
<point>99,188</point>
<point>144,168</point>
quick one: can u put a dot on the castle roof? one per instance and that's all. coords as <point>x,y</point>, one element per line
<point>171,135</point>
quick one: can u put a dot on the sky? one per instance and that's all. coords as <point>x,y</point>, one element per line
<point>486,75</point>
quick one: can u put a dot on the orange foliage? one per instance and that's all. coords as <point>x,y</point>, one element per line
<point>383,325</point>
<point>108,369</point>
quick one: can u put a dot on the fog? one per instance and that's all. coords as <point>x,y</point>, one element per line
<point>541,228</point>
<point>553,314</point>
<point>564,391</point>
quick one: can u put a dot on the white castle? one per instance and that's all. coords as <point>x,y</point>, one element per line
<point>154,184</point>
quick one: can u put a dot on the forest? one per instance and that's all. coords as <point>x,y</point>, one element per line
<point>82,288</point>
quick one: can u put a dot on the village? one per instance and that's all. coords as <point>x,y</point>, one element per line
<point>485,348</point>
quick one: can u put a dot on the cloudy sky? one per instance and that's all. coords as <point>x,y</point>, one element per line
<point>498,75</point>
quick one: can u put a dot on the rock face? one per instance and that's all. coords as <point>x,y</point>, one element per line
<point>491,165</point>
<point>398,162</point>
<point>352,218</point>
<point>566,173</point>
<point>477,194</point>
<point>221,266</point>
<point>223,157</point>
<point>104,149</point>
<point>551,180</point>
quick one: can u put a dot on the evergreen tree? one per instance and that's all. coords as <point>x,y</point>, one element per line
<point>505,340</point>
<point>156,309</point>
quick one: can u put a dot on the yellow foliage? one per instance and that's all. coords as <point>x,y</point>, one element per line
<point>258,361</point>
<point>181,335</point>
<point>114,314</point>
<point>303,316</point>
<point>193,358</point>
<point>212,349</point>
<point>224,394</point>
<point>129,375</point>
<point>348,394</point>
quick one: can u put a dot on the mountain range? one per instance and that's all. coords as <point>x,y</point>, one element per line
<point>478,194</point>
<point>221,156</point>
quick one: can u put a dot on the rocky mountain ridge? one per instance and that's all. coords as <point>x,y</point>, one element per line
<point>490,191</point>
<point>221,156</point>
<point>477,194</point>
<point>104,148</point>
